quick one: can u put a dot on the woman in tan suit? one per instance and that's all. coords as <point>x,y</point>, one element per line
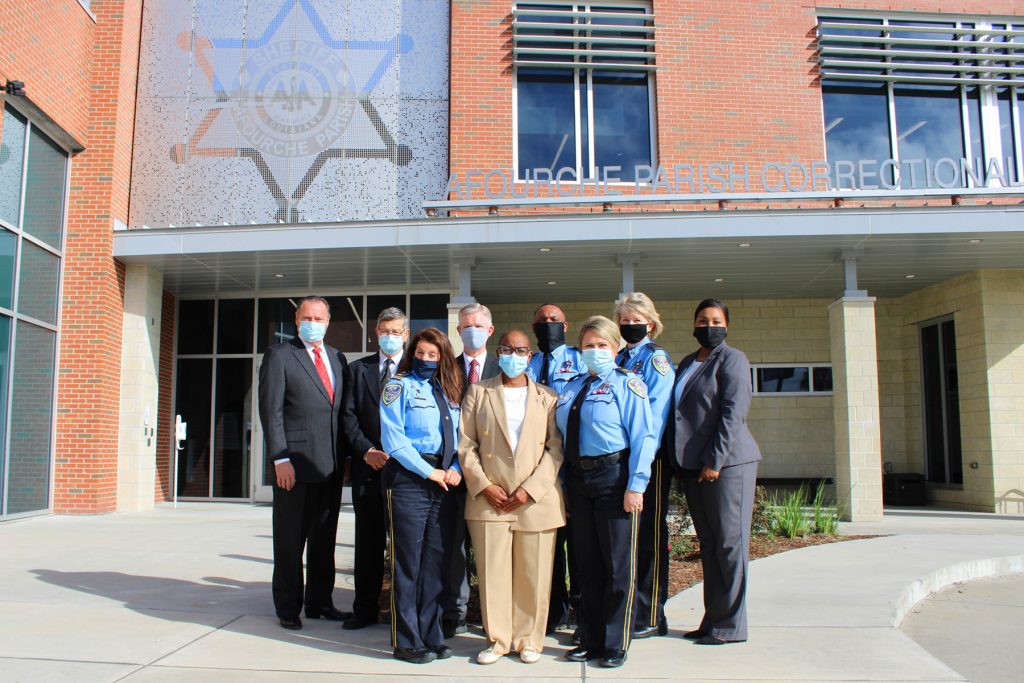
<point>510,451</point>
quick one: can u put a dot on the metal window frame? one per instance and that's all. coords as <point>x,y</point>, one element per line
<point>16,317</point>
<point>789,394</point>
<point>987,87</point>
<point>254,449</point>
<point>936,322</point>
<point>580,47</point>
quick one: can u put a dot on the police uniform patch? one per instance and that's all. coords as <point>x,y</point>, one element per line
<point>637,386</point>
<point>392,390</point>
<point>661,365</point>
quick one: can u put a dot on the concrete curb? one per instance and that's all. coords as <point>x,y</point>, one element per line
<point>947,576</point>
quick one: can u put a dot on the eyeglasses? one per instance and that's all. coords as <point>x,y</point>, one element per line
<point>509,350</point>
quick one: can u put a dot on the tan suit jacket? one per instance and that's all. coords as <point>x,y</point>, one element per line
<point>486,456</point>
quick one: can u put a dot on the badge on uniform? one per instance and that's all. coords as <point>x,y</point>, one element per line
<point>605,388</point>
<point>392,390</point>
<point>567,366</point>
<point>637,386</point>
<point>662,365</point>
<point>638,366</point>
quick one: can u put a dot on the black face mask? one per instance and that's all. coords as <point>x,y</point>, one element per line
<point>424,369</point>
<point>633,332</point>
<point>549,335</point>
<point>710,337</point>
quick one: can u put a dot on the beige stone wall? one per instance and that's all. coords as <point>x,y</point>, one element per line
<point>795,433</point>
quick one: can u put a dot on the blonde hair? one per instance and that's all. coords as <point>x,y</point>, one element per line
<point>638,302</point>
<point>602,327</point>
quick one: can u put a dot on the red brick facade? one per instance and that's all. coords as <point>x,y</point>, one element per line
<point>736,80</point>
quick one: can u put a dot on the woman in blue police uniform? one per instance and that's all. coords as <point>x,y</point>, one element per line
<point>607,427</point>
<point>639,324</point>
<point>419,417</point>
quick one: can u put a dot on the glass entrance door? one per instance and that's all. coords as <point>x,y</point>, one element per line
<point>262,471</point>
<point>941,403</point>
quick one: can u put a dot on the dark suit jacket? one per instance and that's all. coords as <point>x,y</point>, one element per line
<point>713,411</point>
<point>490,369</point>
<point>361,418</point>
<point>298,421</point>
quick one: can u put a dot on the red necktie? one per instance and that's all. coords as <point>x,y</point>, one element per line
<point>474,372</point>
<point>321,370</point>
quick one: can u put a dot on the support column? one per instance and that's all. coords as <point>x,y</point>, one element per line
<point>463,276</point>
<point>140,388</point>
<point>855,408</point>
<point>627,261</point>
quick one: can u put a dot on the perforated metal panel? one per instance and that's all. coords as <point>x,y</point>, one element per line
<point>256,111</point>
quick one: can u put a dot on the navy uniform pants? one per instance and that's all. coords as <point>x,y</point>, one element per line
<point>652,549</point>
<point>604,541</point>
<point>421,522</point>
<point>565,585</point>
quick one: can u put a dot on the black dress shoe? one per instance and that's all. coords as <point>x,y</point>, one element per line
<point>712,640</point>
<point>613,659</point>
<point>450,629</point>
<point>646,632</point>
<point>580,654</point>
<point>414,656</point>
<point>695,635</point>
<point>356,622</point>
<point>291,624</point>
<point>328,613</point>
<point>442,651</point>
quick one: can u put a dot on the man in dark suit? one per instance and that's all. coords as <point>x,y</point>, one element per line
<point>361,421</point>
<point>475,328</point>
<point>301,393</point>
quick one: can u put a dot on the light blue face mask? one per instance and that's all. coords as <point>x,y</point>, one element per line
<point>390,344</point>
<point>513,365</point>
<point>599,361</point>
<point>312,332</point>
<point>474,337</point>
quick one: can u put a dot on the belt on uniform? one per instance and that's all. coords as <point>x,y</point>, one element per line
<point>433,459</point>
<point>596,461</point>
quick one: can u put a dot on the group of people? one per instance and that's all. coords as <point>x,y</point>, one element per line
<point>558,463</point>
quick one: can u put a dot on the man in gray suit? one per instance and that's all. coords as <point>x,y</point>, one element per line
<point>301,393</point>
<point>712,450</point>
<point>475,328</point>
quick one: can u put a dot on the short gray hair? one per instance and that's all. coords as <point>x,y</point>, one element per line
<point>392,313</point>
<point>313,299</point>
<point>473,309</point>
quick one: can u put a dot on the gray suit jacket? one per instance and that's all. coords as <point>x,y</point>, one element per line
<point>299,423</point>
<point>711,416</point>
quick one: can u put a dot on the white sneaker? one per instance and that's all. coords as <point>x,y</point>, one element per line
<point>528,655</point>
<point>488,656</point>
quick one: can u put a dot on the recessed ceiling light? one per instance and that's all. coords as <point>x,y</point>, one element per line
<point>552,282</point>
<point>975,241</point>
<point>278,275</point>
<point>910,277</point>
<point>744,245</point>
<point>719,279</point>
<point>544,249</point>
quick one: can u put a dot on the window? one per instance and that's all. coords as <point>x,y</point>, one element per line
<point>810,379</point>
<point>921,103</point>
<point>33,182</point>
<point>941,403</point>
<point>583,98</point>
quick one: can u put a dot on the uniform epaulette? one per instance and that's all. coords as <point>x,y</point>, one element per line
<point>626,371</point>
<point>653,346</point>
<point>398,375</point>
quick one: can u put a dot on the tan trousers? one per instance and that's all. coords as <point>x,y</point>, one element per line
<point>514,568</point>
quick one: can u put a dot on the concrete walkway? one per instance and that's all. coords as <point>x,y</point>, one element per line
<point>184,595</point>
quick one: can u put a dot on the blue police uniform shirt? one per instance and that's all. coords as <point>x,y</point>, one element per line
<point>566,362</point>
<point>653,364</point>
<point>616,414</point>
<point>410,423</point>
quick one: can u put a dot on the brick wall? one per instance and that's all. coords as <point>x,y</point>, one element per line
<point>89,380</point>
<point>736,81</point>
<point>48,44</point>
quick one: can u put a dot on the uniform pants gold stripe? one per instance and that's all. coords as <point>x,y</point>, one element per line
<point>391,554</point>
<point>628,622</point>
